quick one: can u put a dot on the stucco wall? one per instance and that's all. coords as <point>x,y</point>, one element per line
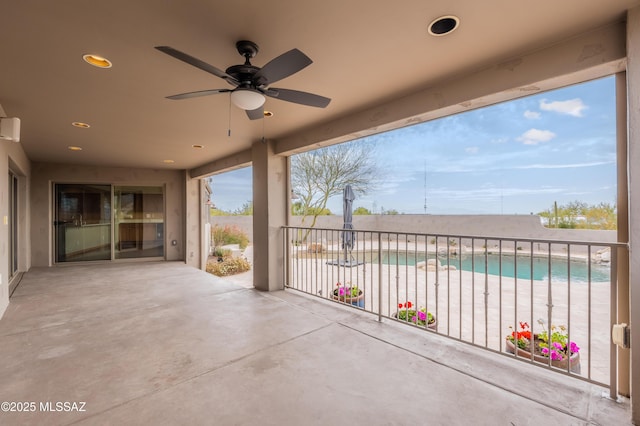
<point>521,226</point>
<point>13,158</point>
<point>44,175</point>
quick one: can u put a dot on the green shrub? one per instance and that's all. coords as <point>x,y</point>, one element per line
<point>229,266</point>
<point>229,235</point>
<point>220,252</point>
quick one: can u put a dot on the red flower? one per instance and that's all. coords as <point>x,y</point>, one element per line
<point>399,305</point>
<point>409,304</point>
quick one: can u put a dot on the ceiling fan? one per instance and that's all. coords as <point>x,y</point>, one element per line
<point>251,83</point>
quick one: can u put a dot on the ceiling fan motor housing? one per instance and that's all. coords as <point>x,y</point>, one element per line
<point>247,48</point>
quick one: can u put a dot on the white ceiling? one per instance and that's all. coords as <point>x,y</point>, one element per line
<point>365,52</point>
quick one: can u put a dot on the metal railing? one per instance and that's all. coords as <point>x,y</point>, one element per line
<point>480,290</point>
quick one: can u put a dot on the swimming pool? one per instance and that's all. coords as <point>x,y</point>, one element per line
<point>540,271</point>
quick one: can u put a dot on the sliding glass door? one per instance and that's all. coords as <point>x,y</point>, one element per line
<point>86,227</point>
<point>13,225</point>
<point>139,221</point>
<point>82,222</point>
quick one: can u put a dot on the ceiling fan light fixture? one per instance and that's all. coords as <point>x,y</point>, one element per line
<point>247,99</point>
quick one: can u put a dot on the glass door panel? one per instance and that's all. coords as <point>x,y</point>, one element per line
<point>13,224</point>
<point>139,221</point>
<point>82,222</point>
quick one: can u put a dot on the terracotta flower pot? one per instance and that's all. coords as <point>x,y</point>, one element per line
<point>432,325</point>
<point>573,360</point>
<point>355,301</point>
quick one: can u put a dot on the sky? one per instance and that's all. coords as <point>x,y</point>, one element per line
<point>517,157</point>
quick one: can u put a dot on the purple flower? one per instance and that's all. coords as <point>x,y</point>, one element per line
<point>422,316</point>
<point>574,348</point>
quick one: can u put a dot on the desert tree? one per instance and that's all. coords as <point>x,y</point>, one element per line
<point>318,175</point>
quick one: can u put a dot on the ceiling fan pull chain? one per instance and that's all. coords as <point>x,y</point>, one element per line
<point>229,130</point>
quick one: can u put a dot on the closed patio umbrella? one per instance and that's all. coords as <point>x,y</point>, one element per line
<point>348,237</point>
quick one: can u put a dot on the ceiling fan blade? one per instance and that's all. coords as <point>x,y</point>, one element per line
<point>255,114</point>
<point>197,63</point>
<point>282,66</point>
<point>197,94</point>
<point>298,97</point>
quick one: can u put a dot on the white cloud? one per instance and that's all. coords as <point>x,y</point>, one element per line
<point>536,136</point>
<point>572,107</point>
<point>472,150</point>
<point>475,194</point>
<point>531,115</point>
<point>499,140</point>
<point>563,166</point>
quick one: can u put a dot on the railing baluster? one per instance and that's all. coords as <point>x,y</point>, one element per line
<point>613,315</point>
<point>486,296</point>
<point>589,310</point>
<point>568,304</point>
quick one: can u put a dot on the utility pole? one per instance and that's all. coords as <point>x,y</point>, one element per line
<point>425,186</point>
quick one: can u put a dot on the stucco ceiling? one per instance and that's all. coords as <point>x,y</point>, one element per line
<point>364,53</point>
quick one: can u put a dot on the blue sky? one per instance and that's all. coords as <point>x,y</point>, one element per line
<point>517,157</point>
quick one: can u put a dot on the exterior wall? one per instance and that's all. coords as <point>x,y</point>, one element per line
<point>41,198</point>
<point>194,202</point>
<point>523,226</point>
<point>13,158</point>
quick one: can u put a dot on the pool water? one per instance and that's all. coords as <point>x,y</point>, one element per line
<point>540,271</point>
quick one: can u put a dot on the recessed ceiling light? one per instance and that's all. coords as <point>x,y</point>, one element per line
<point>80,125</point>
<point>97,61</point>
<point>268,113</point>
<point>443,25</point>
<point>168,161</point>
<point>74,148</point>
<point>197,146</point>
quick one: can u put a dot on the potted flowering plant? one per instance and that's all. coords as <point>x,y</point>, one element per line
<point>552,344</point>
<point>349,294</point>
<point>418,316</point>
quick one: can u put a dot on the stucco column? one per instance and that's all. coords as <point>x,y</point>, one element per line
<point>633,97</point>
<point>269,215</point>
<point>623,229</point>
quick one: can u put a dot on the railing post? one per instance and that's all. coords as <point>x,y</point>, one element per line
<point>613,350</point>
<point>285,260</point>
<point>379,276</point>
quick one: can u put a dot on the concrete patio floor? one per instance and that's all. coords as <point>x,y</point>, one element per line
<point>163,343</point>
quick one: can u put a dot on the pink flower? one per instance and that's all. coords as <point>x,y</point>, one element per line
<point>422,316</point>
<point>557,345</point>
<point>574,348</point>
<point>413,318</point>
<point>555,356</point>
<point>545,351</point>
<point>341,291</point>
